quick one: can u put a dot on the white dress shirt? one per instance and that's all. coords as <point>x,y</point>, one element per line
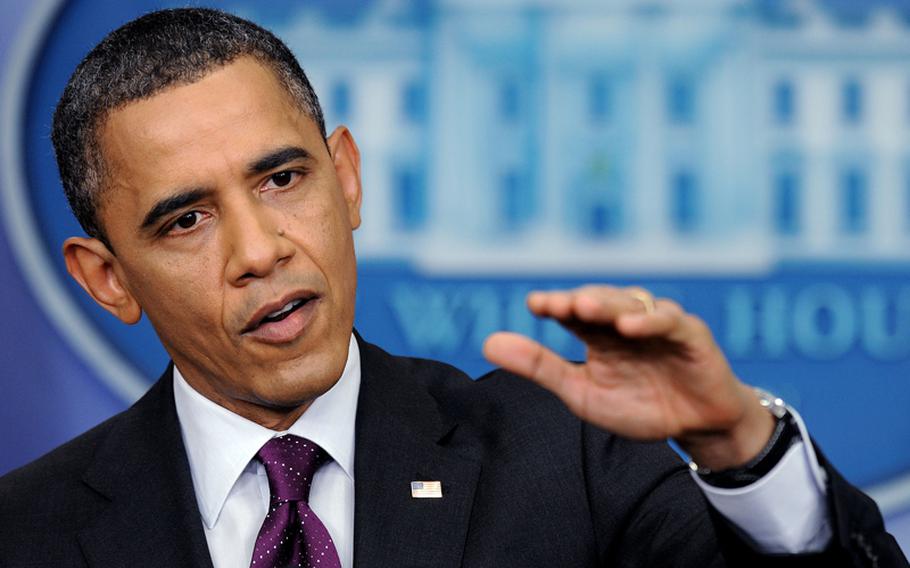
<point>784,511</point>
<point>232,489</point>
<point>787,509</point>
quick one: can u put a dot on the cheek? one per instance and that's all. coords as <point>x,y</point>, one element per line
<point>180,297</point>
<point>323,230</point>
<point>324,236</point>
<point>337,241</point>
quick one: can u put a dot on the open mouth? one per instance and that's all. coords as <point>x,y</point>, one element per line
<point>281,313</point>
<point>284,312</point>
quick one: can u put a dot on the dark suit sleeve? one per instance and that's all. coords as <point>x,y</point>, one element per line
<point>645,508</point>
<point>858,538</point>
<point>858,525</point>
<point>666,521</point>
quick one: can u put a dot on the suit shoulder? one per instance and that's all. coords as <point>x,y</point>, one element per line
<point>496,399</point>
<point>56,469</point>
<point>500,388</point>
<point>495,388</point>
<point>504,401</point>
<point>49,502</point>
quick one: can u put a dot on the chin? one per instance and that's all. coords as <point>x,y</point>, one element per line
<point>293,389</point>
<point>302,377</point>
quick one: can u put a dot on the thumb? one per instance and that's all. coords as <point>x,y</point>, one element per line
<point>528,358</point>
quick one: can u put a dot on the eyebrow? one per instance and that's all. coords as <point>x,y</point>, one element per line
<point>278,158</point>
<point>173,203</point>
<point>181,199</point>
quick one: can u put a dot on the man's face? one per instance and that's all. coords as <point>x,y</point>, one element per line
<point>232,225</point>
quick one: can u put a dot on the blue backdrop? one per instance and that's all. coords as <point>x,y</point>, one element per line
<point>747,158</point>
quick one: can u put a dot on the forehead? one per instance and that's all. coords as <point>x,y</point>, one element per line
<point>232,113</point>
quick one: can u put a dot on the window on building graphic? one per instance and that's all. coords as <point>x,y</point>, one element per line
<point>516,199</point>
<point>854,205</point>
<point>599,99</point>
<point>604,218</point>
<point>597,197</point>
<point>787,203</point>
<point>684,202</point>
<point>341,100</point>
<point>852,101</point>
<point>414,102</point>
<point>509,100</point>
<point>784,102</point>
<point>410,198</point>
<point>599,220</point>
<point>681,101</point>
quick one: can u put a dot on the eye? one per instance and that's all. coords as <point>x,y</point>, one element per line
<point>282,179</point>
<point>187,220</point>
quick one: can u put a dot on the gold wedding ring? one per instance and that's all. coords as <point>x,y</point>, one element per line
<point>646,299</point>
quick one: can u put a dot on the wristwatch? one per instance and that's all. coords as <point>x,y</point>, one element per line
<point>785,434</point>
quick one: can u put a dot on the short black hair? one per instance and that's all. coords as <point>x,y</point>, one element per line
<point>138,60</point>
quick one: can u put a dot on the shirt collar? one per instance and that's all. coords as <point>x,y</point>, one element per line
<point>220,444</point>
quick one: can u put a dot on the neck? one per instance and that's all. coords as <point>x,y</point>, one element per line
<point>274,416</point>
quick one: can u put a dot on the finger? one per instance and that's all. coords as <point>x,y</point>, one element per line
<point>591,304</point>
<point>526,357</point>
<point>645,298</point>
<point>567,381</point>
<point>661,322</point>
<point>603,305</point>
<point>668,321</point>
<point>556,304</point>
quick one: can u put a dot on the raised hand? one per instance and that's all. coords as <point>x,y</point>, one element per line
<point>653,371</point>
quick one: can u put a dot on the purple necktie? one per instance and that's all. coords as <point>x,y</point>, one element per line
<point>292,534</point>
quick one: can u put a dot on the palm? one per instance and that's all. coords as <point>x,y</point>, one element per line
<point>649,390</point>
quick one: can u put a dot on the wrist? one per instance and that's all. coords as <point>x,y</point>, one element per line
<point>737,445</point>
<point>785,434</point>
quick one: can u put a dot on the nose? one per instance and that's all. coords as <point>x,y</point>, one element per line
<point>256,243</point>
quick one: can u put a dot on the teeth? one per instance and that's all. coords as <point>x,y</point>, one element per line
<point>287,307</point>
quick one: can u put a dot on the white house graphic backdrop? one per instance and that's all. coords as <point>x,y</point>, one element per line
<point>749,158</point>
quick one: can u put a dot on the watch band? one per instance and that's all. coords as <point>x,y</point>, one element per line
<point>785,434</point>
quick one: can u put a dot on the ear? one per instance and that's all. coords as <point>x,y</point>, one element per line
<point>346,158</point>
<point>96,269</point>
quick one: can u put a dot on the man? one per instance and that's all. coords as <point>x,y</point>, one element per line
<point>193,151</point>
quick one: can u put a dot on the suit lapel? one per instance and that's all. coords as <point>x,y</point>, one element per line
<point>402,436</point>
<point>142,468</point>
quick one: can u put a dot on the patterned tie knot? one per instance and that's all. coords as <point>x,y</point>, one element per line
<point>290,463</point>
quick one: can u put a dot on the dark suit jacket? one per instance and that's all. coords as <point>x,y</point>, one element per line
<point>524,484</point>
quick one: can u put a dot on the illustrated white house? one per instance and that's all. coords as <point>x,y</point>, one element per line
<point>621,135</point>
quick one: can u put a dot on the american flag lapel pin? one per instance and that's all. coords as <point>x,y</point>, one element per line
<point>426,489</point>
